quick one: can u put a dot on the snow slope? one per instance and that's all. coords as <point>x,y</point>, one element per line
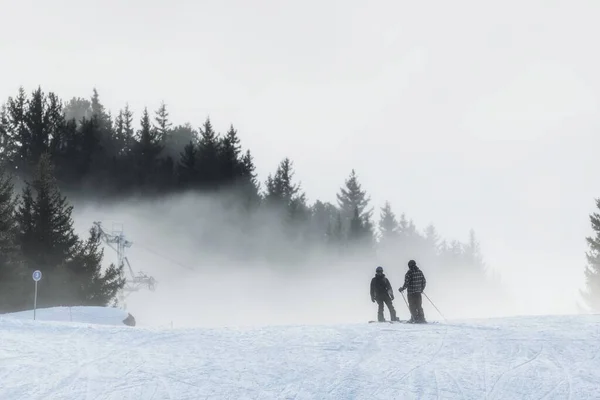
<point>92,315</point>
<point>514,358</point>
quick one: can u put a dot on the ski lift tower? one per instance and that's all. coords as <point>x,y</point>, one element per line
<point>117,241</point>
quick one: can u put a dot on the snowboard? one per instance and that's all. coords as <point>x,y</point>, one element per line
<point>389,322</point>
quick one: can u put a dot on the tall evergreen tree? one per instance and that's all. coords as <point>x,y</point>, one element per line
<point>359,230</point>
<point>48,242</point>
<point>280,188</point>
<point>47,237</point>
<point>432,239</point>
<point>187,171</point>
<point>18,134</point>
<point>162,125</point>
<point>388,224</point>
<point>6,145</point>
<point>353,202</point>
<point>229,157</point>
<point>148,148</point>
<point>127,139</point>
<point>352,197</point>
<point>208,157</point>
<point>592,271</point>
<point>249,185</point>
<point>34,120</point>
<point>12,272</point>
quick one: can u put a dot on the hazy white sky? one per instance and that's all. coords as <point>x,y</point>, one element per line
<point>466,114</point>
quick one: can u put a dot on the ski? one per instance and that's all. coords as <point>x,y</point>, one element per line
<point>403,321</point>
<point>421,323</point>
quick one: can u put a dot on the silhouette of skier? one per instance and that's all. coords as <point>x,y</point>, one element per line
<point>382,292</point>
<point>414,284</point>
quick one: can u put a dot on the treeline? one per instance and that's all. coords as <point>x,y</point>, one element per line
<point>82,149</point>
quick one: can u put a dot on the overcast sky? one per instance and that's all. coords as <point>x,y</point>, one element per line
<point>466,114</point>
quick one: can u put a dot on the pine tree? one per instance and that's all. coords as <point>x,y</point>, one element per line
<point>97,108</point>
<point>147,150</point>
<point>162,124</point>
<point>353,201</point>
<point>229,157</point>
<point>47,237</point>
<point>55,122</point>
<point>280,189</point>
<point>48,242</point>
<point>46,234</point>
<point>127,137</point>
<point>357,229</point>
<point>388,225</point>
<point>19,135</point>
<point>6,144</point>
<point>12,271</point>
<point>249,186</point>
<point>107,138</point>
<point>35,120</point>
<point>432,240</point>
<point>208,157</point>
<point>592,271</point>
<point>286,199</point>
<point>120,133</point>
<point>187,172</point>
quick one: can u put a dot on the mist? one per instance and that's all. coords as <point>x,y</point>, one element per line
<point>201,284</point>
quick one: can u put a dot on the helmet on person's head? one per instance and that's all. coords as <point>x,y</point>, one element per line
<point>412,263</point>
<point>379,270</point>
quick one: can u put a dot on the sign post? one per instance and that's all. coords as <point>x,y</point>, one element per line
<point>37,275</point>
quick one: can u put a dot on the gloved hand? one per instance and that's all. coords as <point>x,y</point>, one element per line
<point>392,297</point>
<point>401,290</point>
<point>373,299</point>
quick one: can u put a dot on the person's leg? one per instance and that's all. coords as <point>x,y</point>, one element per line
<point>412,307</point>
<point>390,306</point>
<point>419,307</point>
<point>380,317</point>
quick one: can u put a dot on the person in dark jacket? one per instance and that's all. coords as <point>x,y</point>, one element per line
<point>382,292</point>
<point>414,284</point>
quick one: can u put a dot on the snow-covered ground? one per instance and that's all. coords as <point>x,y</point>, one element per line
<point>511,358</point>
<point>91,315</point>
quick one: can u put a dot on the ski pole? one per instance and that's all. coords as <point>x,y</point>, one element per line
<point>435,306</point>
<point>405,302</point>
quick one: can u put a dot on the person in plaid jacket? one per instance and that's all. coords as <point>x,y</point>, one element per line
<point>414,284</point>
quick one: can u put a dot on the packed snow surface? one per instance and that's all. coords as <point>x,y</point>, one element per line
<point>514,358</point>
<point>92,315</point>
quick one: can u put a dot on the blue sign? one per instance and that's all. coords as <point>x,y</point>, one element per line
<point>37,275</point>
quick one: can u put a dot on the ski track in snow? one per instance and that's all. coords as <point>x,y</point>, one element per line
<point>513,358</point>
